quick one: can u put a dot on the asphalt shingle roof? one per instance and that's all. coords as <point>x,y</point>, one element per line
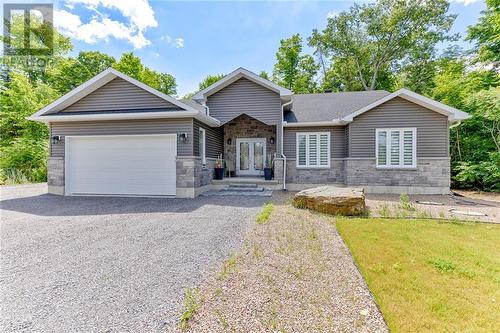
<point>329,106</point>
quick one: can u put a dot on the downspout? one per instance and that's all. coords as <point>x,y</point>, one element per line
<point>281,139</point>
<point>207,109</point>
<point>455,124</point>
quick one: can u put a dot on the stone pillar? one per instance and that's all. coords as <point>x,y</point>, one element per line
<point>55,175</point>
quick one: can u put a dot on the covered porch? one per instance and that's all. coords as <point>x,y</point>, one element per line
<point>249,145</point>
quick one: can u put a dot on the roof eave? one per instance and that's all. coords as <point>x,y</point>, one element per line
<point>335,122</point>
<point>127,116</point>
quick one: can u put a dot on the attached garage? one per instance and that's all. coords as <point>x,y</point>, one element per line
<point>121,165</point>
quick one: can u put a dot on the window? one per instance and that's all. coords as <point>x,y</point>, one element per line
<point>201,143</point>
<point>313,150</point>
<point>396,147</point>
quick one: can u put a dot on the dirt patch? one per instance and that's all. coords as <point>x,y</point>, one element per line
<point>293,274</point>
<point>487,196</point>
<point>391,205</point>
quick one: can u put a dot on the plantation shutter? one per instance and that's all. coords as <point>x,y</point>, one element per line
<point>323,148</point>
<point>313,149</point>
<point>395,148</point>
<point>302,149</point>
<point>382,148</point>
<point>408,147</point>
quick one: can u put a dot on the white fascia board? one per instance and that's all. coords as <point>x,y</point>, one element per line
<point>236,75</point>
<point>316,123</point>
<point>127,116</point>
<point>98,81</point>
<point>452,113</point>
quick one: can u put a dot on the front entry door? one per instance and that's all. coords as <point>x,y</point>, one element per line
<point>250,156</point>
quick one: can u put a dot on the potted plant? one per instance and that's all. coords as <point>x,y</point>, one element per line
<point>268,169</point>
<point>219,168</point>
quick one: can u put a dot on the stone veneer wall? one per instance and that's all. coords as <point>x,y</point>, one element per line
<point>55,175</point>
<point>246,127</point>
<point>429,172</point>
<point>191,173</point>
<point>332,175</point>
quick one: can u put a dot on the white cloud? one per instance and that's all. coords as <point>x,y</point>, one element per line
<point>179,42</point>
<point>465,2</point>
<point>138,13</point>
<point>175,42</point>
<point>332,14</point>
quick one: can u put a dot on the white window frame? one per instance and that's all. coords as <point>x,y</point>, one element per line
<point>401,164</point>
<point>308,165</point>
<point>203,155</point>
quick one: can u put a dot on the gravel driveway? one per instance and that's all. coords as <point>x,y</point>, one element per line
<point>108,264</point>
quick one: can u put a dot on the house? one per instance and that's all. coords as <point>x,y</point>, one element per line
<point>114,135</point>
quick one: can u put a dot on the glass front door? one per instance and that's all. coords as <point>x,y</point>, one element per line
<point>250,156</point>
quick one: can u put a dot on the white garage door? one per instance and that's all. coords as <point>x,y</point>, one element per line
<point>121,165</point>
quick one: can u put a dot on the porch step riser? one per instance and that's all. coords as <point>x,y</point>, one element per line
<point>244,189</point>
<point>242,185</point>
<point>221,193</point>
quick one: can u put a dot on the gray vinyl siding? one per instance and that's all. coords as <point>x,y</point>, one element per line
<point>278,140</point>
<point>432,128</point>
<point>118,94</point>
<point>245,97</point>
<point>337,138</point>
<point>124,127</point>
<point>214,137</point>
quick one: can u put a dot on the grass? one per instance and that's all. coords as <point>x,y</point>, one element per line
<point>192,302</point>
<point>228,266</point>
<point>263,216</point>
<point>429,276</point>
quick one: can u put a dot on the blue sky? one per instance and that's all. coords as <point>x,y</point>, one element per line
<point>193,39</point>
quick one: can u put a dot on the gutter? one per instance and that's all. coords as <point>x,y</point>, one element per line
<point>128,116</point>
<point>334,122</point>
<point>281,139</point>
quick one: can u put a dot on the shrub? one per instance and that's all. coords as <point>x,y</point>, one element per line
<point>483,176</point>
<point>24,161</point>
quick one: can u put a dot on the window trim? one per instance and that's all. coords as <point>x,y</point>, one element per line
<point>401,164</point>
<point>202,133</point>
<point>307,165</point>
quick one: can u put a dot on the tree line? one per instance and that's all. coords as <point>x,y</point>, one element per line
<point>388,44</point>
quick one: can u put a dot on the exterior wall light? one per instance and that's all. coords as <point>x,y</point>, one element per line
<point>183,137</point>
<point>271,140</point>
<point>55,139</point>
<point>229,141</point>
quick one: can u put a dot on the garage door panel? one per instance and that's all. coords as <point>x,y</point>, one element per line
<point>127,165</point>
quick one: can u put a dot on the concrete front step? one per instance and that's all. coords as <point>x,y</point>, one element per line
<point>242,185</point>
<point>240,188</point>
<point>232,192</point>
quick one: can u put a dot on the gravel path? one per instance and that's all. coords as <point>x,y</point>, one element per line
<point>74,264</point>
<point>294,274</point>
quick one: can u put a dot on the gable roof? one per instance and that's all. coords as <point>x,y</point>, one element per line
<point>341,108</point>
<point>235,76</point>
<point>329,106</point>
<point>47,114</point>
<point>452,113</point>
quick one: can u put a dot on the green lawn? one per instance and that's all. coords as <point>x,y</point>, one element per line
<point>429,276</point>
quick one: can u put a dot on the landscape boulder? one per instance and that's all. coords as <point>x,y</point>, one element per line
<point>332,200</point>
